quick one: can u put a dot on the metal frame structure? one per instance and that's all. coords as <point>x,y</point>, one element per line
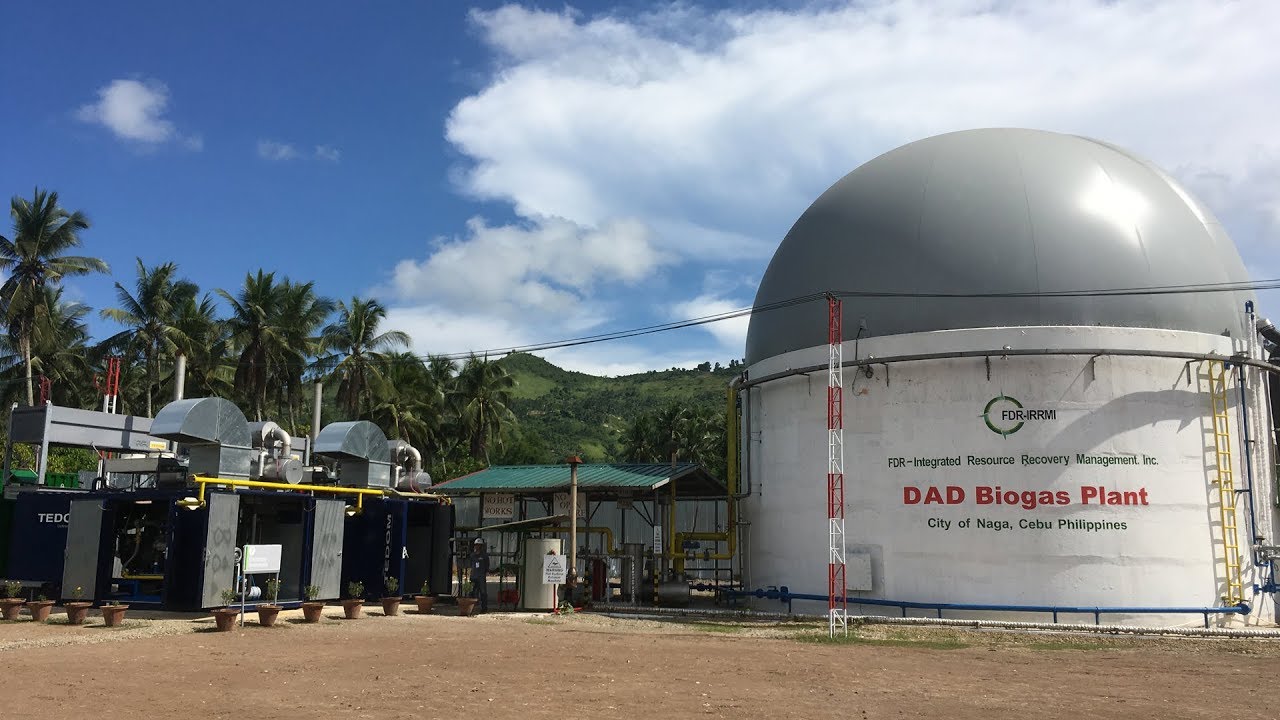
<point>111,388</point>
<point>837,601</point>
<point>54,425</point>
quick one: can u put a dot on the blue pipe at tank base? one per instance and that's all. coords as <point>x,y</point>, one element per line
<point>785,595</point>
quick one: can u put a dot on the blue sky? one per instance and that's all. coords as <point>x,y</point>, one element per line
<point>503,174</point>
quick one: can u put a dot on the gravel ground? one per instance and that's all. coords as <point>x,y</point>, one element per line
<point>538,666</point>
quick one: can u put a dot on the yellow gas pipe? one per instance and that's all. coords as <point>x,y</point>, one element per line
<point>730,535</point>
<point>204,482</point>
<point>606,532</point>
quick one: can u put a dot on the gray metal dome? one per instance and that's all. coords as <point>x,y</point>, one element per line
<point>999,211</point>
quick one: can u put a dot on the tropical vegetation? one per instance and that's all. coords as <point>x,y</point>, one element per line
<point>263,344</point>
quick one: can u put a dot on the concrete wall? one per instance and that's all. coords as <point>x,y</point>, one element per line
<point>928,519</point>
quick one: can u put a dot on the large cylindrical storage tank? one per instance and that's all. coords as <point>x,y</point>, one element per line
<point>1025,422</point>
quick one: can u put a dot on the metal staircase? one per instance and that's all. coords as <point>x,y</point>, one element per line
<point>1224,478</point>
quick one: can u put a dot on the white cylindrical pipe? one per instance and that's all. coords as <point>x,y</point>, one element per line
<point>315,418</point>
<point>270,430</point>
<point>179,376</point>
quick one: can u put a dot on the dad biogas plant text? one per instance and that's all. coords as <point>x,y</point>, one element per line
<point>991,495</point>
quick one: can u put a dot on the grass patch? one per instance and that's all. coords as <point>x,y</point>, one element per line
<point>854,638</point>
<point>541,621</point>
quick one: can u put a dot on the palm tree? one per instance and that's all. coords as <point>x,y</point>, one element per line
<point>441,369</point>
<point>34,259</point>
<point>206,343</point>
<point>695,434</point>
<point>61,349</point>
<point>355,350</point>
<point>638,442</point>
<point>303,314</point>
<point>59,352</point>
<point>149,315</point>
<point>483,394</point>
<point>407,404</point>
<point>255,330</point>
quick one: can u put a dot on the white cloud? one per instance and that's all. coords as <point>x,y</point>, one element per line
<point>436,329</point>
<point>731,123</point>
<point>134,110</point>
<point>715,130</point>
<point>328,153</point>
<point>730,333</point>
<point>273,150</point>
<point>546,266</point>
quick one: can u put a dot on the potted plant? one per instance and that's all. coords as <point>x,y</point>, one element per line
<point>10,603</point>
<point>77,609</point>
<point>268,611</point>
<point>40,608</point>
<point>426,600</point>
<point>113,613</point>
<point>466,603</point>
<point>391,601</point>
<point>355,600</point>
<point>225,617</point>
<point>312,608</point>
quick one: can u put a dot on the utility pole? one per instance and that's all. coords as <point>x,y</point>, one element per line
<point>574,461</point>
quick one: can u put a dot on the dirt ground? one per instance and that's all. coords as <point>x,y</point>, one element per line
<point>584,665</point>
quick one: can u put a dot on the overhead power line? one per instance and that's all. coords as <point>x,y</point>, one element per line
<point>1273,284</point>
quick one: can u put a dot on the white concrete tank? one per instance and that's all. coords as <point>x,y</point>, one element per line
<point>1036,446</point>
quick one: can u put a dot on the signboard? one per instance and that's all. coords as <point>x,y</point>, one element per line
<point>657,539</point>
<point>261,559</point>
<point>553,569</point>
<point>562,505</point>
<point>498,506</point>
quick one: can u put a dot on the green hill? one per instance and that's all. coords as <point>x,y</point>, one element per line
<point>561,412</point>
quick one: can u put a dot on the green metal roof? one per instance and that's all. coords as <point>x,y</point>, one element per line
<point>689,479</point>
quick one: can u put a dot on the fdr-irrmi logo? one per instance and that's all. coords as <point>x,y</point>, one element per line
<point>1005,415</point>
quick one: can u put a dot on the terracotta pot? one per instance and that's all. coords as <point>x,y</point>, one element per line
<point>267,615</point>
<point>311,611</point>
<point>40,609</point>
<point>10,607</point>
<point>113,615</point>
<point>425,603</point>
<point>226,618</point>
<point>77,611</point>
<point>352,608</point>
<point>466,606</point>
<point>390,606</point>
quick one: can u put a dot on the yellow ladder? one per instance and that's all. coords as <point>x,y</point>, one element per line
<point>1224,478</point>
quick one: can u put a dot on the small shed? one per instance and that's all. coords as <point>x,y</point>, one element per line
<point>624,510</point>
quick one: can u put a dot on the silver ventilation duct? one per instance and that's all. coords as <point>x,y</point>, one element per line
<point>406,467</point>
<point>214,431</point>
<point>274,459</point>
<point>360,449</point>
